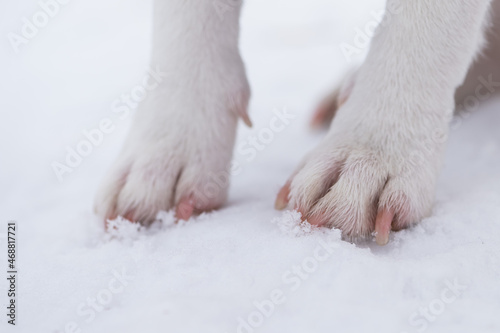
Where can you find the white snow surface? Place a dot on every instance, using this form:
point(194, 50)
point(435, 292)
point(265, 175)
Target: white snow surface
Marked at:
point(208, 274)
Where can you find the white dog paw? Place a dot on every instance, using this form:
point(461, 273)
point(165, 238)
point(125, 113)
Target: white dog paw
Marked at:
point(177, 154)
point(373, 173)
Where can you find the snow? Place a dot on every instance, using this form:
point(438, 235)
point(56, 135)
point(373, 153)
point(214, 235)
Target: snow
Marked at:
point(214, 273)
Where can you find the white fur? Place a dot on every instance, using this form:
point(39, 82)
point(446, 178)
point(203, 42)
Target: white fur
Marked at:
point(384, 147)
point(183, 134)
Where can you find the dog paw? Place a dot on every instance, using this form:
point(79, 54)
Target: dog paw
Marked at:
point(374, 172)
point(177, 154)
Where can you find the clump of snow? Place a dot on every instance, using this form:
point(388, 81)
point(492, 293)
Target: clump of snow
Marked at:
point(164, 220)
point(122, 229)
point(290, 223)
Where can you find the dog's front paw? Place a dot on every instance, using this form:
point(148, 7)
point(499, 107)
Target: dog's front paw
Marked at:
point(188, 174)
point(373, 173)
point(177, 154)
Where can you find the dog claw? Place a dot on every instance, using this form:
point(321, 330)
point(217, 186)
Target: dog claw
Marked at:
point(383, 226)
point(282, 198)
point(185, 209)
